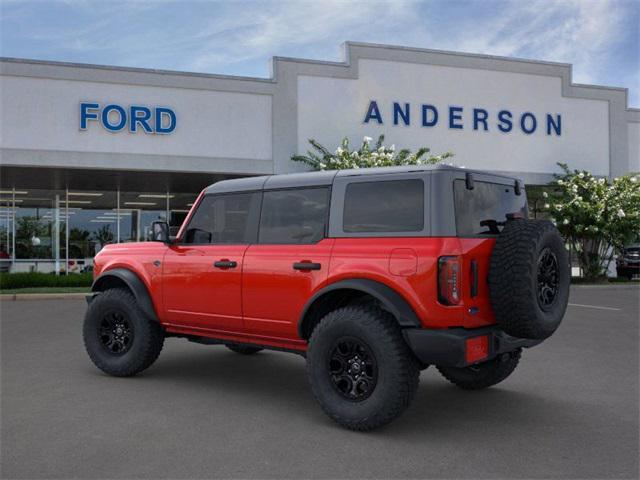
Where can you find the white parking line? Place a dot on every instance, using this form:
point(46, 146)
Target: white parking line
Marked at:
point(593, 306)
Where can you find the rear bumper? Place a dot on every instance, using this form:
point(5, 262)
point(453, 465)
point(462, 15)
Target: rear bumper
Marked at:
point(448, 348)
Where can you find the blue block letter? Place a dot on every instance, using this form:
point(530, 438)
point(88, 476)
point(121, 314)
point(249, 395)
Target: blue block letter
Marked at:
point(139, 115)
point(399, 112)
point(85, 114)
point(105, 118)
point(165, 112)
point(504, 118)
point(425, 116)
point(373, 112)
point(455, 113)
point(480, 115)
point(523, 123)
point(557, 125)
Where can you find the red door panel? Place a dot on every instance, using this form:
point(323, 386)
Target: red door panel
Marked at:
point(202, 286)
point(277, 282)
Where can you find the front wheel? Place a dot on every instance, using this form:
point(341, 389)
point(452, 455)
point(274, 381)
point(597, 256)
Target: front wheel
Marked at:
point(483, 375)
point(118, 337)
point(360, 368)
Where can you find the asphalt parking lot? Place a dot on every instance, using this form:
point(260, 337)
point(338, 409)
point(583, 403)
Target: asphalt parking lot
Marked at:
point(569, 411)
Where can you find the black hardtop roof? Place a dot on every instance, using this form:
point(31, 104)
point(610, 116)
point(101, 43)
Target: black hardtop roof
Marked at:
point(323, 178)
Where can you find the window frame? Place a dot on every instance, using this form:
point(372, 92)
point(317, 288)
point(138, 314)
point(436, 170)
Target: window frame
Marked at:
point(254, 212)
point(336, 219)
point(325, 231)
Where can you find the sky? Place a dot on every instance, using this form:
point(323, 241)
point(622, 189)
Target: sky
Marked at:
point(601, 38)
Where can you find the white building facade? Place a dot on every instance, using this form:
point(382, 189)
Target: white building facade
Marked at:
point(92, 154)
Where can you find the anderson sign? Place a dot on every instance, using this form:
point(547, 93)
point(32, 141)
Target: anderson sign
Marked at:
point(460, 118)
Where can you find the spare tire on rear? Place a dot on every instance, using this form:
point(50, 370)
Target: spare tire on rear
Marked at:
point(529, 278)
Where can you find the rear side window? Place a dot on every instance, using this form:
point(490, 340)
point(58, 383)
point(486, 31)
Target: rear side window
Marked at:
point(384, 206)
point(488, 203)
point(294, 216)
point(224, 219)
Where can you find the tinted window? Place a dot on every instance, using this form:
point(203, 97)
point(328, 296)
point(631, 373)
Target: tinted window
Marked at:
point(384, 206)
point(224, 219)
point(487, 201)
point(294, 216)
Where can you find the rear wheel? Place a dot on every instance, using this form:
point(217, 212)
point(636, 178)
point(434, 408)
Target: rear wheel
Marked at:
point(483, 375)
point(118, 337)
point(360, 368)
point(243, 349)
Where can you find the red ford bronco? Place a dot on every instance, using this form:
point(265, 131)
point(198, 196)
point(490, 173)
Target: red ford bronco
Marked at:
point(371, 274)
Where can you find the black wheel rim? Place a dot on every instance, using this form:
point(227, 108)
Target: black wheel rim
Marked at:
point(547, 278)
point(353, 369)
point(116, 332)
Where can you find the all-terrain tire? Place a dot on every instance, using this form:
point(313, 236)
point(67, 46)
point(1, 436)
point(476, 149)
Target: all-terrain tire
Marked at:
point(519, 280)
point(483, 375)
point(243, 349)
point(144, 343)
point(397, 372)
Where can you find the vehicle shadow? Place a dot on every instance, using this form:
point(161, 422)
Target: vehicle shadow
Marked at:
point(278, 380)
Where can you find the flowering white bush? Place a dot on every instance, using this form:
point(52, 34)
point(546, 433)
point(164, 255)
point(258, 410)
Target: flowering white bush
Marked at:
point(595, 216)
point(366, 156)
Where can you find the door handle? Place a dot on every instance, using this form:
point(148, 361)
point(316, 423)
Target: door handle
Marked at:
point(306, 266)
point(225, 264)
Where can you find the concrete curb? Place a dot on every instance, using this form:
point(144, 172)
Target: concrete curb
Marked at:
point(41, 296)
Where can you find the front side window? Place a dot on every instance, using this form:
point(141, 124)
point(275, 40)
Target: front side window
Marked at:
point(224, 219)
point(384, 206)
point(294, 216)
point(483, 210)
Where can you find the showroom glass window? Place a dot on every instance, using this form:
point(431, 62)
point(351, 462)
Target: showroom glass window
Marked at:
point(62, 230)
point(294, 216)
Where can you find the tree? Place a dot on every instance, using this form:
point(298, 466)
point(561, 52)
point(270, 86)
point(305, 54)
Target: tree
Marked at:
point(103, 235)
point(366, 156)
point(29, 228)
point(596, 217)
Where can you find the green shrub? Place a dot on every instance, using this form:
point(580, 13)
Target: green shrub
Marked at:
point(34, 279)
point(366, 156)
point(596, 216)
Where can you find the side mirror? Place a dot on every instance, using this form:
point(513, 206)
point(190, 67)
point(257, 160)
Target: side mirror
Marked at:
point(160, 232)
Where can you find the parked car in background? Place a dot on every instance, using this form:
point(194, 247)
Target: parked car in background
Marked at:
point(628, 263)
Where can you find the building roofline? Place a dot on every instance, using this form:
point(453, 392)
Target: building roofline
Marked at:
point(132, 69)
point(346, 62)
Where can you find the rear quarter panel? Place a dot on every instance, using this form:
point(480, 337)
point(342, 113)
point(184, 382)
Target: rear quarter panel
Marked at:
point(391, 261)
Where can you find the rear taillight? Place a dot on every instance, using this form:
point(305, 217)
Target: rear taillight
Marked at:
point(449, 280)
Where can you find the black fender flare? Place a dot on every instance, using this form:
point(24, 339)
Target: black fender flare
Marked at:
point(389, 298)
point(135, 284)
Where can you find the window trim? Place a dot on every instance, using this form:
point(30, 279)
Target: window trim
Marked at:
point(254, 233)
point(325, 232)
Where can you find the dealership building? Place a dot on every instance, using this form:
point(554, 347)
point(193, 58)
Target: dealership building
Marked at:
point(93, 154)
